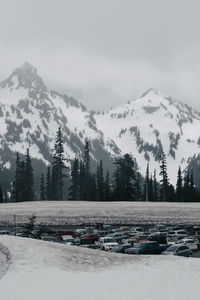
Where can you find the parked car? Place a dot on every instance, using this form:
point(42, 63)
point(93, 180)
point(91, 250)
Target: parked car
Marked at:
point(191, 243)
point(158, 237)
point(179, 250)
point(118, 237)
point(181, 233)
point(137, 230)
point(49, 238)
point(20, 231)
point(121, 248)
point(68, 240)
point(93, 236)
point(145, 248)
point(36, 232)
point(79, 232)
point(92, 246)
point(107, 243)
point(171, 240)
point(142, 238)
point(83, 241)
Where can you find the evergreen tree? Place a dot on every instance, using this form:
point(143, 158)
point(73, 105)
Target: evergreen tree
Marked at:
point(55, 194)
point(137, 187)
point(124, 177)
point(1, 195)
point(82, 193)
point(186, 188)
point(179, 186)
point(42, 188)
point(86, 165)
point(58, 167)
point(100, 182)
point(164, 179)
point(22, 183)
point(117, 194)
point(16, 183)
point(107, 191)
point(74, 188)
point(48, 184)
point(191, 187)
point(151, 196)
point(146, 185)
point(155, 187)
point(28, 178)
point(93, 189)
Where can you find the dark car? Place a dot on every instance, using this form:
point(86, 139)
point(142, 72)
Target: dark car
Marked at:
point(145, 248)
point(158, 237)
point(36, 232)
point(48, 238)
point(20, 231)
point(92, 236)
point(83, 241)
point(121, 248)
point(92, 246)
point(179, 250)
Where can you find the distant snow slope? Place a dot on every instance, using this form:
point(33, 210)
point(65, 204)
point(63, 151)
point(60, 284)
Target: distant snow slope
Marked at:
point(30, 114)
point(83, 212)
point(152, 124)
point(48, 271)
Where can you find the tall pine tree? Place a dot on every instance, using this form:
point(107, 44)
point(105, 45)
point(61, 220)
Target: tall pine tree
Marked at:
point(48, 184)
point(29, 179)
point(100, 182)
point(164, 183)
point(1, 195)
point(74, 188)
point(137, 187)
point(107, 191)
point(179, 186)
point(59, 167)
point(42, 188)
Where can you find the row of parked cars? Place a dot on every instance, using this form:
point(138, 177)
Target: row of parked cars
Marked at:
point(178, 240)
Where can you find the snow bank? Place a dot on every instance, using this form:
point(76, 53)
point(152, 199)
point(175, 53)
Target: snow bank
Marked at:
point(47, 271)
point(82, 212)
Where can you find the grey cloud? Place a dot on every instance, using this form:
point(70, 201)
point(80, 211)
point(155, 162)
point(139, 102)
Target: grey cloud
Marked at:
point(105, 52)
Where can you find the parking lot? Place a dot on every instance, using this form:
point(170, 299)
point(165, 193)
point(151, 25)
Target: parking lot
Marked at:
point(181, 240)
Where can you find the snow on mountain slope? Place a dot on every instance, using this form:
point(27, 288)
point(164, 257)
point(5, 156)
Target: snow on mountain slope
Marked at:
point(150, 125)
point(30, 115)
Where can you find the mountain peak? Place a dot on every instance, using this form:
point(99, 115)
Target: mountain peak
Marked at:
point(25, 76)
point(151, 92)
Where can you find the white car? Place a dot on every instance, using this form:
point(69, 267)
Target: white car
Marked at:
point(68, 240)
point(172, 240)
point(191, 243)
point(107, 243)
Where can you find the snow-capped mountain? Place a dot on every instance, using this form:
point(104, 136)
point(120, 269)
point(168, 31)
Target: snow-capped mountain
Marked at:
point(152, 124)
point(30, 115)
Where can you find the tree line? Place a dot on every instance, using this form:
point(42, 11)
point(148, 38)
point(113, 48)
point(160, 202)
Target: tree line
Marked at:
point(125, 184)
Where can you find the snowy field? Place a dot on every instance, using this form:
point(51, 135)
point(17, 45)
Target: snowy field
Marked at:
point(82, 212)
point(48, 271)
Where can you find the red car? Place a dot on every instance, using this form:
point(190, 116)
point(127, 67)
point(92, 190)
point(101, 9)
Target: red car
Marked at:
point(142, 238)
point(92, 236)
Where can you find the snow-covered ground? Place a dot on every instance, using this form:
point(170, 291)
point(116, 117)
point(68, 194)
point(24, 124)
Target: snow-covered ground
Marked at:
point(79, 212)
point(48, 271)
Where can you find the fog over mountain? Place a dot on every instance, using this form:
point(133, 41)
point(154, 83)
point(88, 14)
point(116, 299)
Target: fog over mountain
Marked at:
point(105, 52)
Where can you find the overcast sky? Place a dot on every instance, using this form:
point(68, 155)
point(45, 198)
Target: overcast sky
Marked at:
point(105, 52)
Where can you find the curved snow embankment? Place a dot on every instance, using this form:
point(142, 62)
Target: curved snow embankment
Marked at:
point(48, 271)
point(5, 260)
